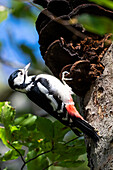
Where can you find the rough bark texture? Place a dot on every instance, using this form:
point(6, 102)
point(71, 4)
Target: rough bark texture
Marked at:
point(98, 105)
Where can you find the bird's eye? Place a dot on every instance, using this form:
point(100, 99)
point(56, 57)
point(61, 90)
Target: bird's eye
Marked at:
point(21, 73)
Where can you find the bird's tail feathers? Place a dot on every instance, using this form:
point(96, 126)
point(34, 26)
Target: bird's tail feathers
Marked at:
point(86, 128)
point(79, 122)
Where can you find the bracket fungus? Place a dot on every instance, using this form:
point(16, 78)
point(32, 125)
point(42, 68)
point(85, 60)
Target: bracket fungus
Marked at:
point(67, 46)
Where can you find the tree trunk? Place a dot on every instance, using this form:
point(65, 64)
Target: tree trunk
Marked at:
point(98, 106)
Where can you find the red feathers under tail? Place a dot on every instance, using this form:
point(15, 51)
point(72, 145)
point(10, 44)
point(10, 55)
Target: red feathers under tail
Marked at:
point(72, 111)
point(80, 123)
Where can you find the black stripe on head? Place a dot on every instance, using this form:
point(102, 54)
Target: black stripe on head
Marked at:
point(11, 79)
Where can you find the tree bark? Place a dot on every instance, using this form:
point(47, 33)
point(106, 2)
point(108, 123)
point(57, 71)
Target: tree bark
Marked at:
point(98, 106)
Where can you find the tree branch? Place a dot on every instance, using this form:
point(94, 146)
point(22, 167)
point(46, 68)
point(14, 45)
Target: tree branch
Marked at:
point(72, 140)
point(25, 162)
point(48, 166)
point(35, 158)
point(16, 151)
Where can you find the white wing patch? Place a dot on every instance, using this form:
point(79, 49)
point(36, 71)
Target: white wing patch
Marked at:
point(49, 96)
point(42, 88)
point(58, 88)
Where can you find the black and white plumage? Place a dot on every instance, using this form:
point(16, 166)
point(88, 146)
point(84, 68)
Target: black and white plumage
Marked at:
point(53, 96)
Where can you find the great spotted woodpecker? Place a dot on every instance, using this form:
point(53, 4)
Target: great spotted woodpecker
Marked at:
point(53, 96)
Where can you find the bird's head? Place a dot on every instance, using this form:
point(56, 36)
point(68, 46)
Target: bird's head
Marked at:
point(19, 79)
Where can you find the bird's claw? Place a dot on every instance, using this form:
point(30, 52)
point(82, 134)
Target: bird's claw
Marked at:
point(63, 76)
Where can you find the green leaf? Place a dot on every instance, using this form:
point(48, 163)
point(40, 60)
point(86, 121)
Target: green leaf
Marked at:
point(27, 120)
point(106, 3)
point(17, 144)
point(69, 164)
point(3, 136)
point(19, 120)
point(14, 128)
point(3, 15)
point(45, 145)
point(98, 25)
point(22, 10)
point(84, 165)
point(5, 139)
point(12, 154)
point(7, 114)
point(62, 151)
point(38, 163)
point(1, 105)
point(5, 168)
point(59, 131)
point(45, 126)
point(32, 145)
point(19, 132)
point(69, 152)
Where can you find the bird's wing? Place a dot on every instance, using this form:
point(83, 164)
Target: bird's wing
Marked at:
point(44, 87)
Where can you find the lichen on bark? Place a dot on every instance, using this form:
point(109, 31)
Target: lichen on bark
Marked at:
point(98, 106)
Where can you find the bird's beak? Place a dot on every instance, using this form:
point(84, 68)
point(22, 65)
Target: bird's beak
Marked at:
point(27, 67)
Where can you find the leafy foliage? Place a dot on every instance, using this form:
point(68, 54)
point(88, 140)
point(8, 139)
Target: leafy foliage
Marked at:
point(3, 15)
point(22, 10)
point(44, 139)
point(12, 154)
point(99, 25)
point(39, 163)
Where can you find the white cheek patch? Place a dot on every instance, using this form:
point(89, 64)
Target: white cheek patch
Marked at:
point(18, 80)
